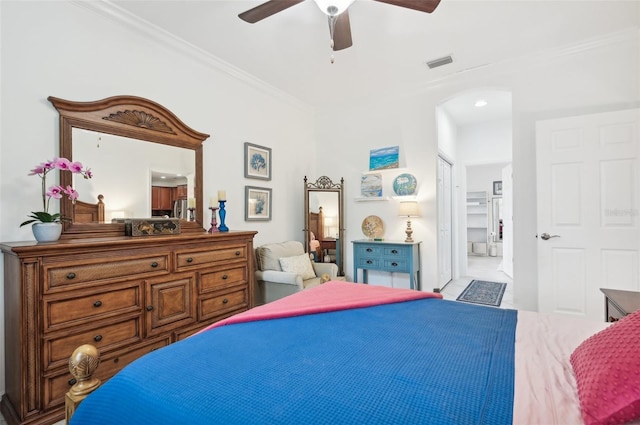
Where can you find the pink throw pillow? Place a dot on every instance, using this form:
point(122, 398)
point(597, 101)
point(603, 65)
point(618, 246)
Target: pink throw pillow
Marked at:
point(607, 370)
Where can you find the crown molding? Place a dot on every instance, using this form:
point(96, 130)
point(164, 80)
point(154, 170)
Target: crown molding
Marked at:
point(147, 29)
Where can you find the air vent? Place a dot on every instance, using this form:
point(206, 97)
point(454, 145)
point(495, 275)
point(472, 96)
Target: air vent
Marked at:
point(439, 62)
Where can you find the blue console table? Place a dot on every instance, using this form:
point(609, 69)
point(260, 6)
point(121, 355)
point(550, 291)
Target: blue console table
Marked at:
point(387, 256)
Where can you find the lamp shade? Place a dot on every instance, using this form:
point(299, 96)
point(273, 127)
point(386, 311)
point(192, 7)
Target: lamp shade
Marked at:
point(409, 209)
point(333, 7)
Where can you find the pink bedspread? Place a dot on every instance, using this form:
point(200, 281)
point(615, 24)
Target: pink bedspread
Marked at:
point(330, 296)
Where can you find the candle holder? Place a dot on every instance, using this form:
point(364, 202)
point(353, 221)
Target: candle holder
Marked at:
point(223, 213)
point(192, 214)
point(214, 225)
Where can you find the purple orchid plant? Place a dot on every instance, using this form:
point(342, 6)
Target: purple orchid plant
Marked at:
point(55, 191)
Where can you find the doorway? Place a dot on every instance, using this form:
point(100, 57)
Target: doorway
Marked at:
point(475, 130)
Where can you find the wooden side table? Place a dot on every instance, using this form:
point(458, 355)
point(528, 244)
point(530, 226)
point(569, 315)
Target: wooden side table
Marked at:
point(387, 256)
point(618, 303)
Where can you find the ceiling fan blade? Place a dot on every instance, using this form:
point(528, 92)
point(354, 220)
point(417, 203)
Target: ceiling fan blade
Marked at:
point(342, 32)
point(427, 6)
point(267, 9)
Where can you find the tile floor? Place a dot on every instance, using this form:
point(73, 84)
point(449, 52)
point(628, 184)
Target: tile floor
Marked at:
point(481, 268)
point(484, 268)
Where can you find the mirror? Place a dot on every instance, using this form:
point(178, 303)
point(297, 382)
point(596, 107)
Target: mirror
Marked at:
point(324, 218)
point(140, 137)
point(147, 165)
point(496, 212)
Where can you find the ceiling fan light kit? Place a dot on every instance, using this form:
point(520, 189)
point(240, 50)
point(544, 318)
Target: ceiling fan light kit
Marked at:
point(336, 10)
point(333, 7)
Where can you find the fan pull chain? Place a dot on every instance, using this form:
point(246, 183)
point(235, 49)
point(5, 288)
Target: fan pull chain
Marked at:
point(332, 27)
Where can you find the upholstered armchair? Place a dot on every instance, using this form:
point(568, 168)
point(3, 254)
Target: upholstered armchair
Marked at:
point(284, 268)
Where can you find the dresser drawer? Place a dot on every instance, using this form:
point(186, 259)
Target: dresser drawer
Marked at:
point(368, 250)
point(220, 279)
point(396, 251)
point(61, 312)
point(395, 265)
point(211, 307)
point(368, 262)
point(186, 260)
point(106, 338)
point(100, 270)
point(59, 383)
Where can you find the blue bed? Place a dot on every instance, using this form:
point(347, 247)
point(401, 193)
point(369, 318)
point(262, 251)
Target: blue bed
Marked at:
point(425, 361)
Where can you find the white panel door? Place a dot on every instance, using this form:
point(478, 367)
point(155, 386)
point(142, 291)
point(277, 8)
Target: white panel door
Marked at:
point(588, 205)
point(445, 245)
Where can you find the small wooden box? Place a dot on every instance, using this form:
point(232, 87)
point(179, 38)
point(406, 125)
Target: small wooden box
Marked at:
point(152, 226)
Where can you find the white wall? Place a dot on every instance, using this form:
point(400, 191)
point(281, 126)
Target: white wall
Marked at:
point(447, 135)
point(485, 142)
point(69, 51)
point(596, 76)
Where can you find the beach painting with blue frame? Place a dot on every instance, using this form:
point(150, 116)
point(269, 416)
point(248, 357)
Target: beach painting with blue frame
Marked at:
point(384, 158)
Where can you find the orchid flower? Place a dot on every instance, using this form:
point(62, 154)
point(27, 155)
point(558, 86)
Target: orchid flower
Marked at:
point(56, 192)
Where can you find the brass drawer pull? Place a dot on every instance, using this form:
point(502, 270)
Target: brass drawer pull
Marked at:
point(237, 253)
point(154, 264)
point(189, 260)
point(116, 360)
point(71, 381)
point(225, 277)
point(394, 264)
point(224, 301)
point(369, 250)
point(394, 251)
point(71, 275)
point(149, 308)
point(97, 303)
point(97, 338)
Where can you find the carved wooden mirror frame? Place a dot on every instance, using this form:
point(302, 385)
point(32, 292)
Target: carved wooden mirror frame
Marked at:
point(126, 116)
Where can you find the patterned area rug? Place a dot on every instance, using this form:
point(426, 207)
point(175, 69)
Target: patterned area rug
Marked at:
point(483, 292)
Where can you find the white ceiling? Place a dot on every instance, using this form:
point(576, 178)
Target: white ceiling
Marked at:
point(290, 50)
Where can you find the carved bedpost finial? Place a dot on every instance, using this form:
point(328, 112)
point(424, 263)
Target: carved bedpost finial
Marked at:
point(82, 364)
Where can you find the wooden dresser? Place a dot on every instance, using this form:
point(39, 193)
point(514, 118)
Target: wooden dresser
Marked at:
point(127, 296)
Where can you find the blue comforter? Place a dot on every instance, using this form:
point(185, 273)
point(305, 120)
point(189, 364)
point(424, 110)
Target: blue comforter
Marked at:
point(426, 361)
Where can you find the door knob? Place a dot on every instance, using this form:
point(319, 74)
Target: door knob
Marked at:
point(546, 236)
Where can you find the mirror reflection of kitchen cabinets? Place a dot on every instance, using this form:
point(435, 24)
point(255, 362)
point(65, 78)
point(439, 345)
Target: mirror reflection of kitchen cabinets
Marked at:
point(161, 198)
point(181, 191)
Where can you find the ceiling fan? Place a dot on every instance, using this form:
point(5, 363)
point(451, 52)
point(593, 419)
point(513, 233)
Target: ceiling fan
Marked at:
point(337, 12)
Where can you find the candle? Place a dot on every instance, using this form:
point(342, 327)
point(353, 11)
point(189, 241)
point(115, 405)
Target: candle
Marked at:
point(222, 195)
point(213, 202)
point(191, 203)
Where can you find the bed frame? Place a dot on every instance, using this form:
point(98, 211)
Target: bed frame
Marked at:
point(84, 212)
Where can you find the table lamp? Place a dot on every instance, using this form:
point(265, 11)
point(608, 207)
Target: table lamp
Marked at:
point(409, 209)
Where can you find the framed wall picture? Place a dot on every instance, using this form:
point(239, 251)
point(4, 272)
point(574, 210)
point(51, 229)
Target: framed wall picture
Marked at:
point(257, 203)
point(384, 158)
point(257, 162)
point(497, 188)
